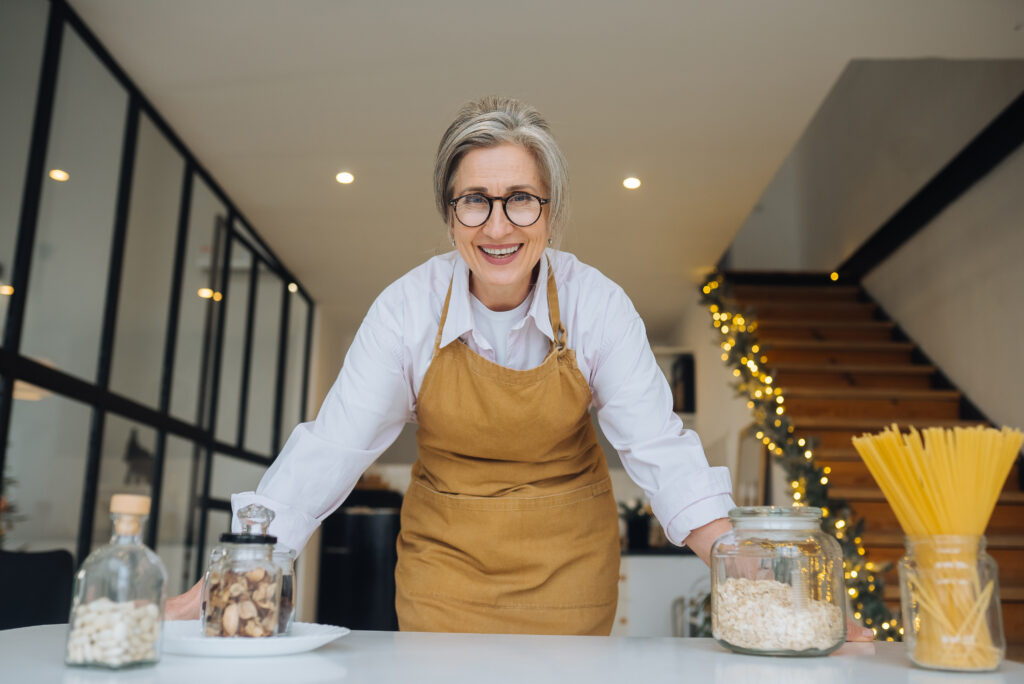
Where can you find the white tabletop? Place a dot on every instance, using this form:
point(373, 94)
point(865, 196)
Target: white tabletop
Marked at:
point(35, 655)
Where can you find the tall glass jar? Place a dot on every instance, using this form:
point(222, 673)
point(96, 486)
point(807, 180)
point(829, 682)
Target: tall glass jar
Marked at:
point(777, 584)
point(949, 588)
point(242, 586)
point(285, 559)
point(118, 601)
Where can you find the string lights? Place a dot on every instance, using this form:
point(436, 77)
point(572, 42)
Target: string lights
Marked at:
point(809, 483)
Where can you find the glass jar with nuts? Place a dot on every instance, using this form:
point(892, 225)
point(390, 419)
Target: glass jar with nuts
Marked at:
point(242, 587)
point(118, 605)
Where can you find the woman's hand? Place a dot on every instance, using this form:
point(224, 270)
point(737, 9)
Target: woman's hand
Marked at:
point(185, 606)
point(854, 632)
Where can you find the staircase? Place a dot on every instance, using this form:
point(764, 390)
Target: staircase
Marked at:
point(845, 369)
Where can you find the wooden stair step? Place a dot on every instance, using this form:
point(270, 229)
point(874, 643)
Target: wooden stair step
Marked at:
point(897, 376)
point(832, 423)
point(825, 393)
point(855, 494)
point(802, 310)
point(896, 538)
point(836, 432)
point(1007, 518)
point(846, 469)
point(825, 330)
point(800, 292)
point(912, 404)
point(843, 352)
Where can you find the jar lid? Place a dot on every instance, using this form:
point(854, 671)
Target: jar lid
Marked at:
point(132, 504)
point(255, 520)
point(775, 517)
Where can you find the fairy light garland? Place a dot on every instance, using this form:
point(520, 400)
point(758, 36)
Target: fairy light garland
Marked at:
point(809, 483)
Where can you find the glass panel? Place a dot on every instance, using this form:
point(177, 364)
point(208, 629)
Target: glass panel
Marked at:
point(291, 415)
point(22, 34)
point(148, 267)
point(126, 467)
point(237, 302)
point(182, 473)
point(195, 315)
point(49, 434)
point(67, 283)
point(263, 369)
point(232, 475)
point(250, 239)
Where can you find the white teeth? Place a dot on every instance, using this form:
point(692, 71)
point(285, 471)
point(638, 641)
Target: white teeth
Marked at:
point(504, 251)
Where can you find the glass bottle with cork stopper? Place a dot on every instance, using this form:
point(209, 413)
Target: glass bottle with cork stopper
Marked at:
point(118, 600)
point(242, 586)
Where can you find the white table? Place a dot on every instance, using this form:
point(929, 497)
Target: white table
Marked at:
point(34, 655)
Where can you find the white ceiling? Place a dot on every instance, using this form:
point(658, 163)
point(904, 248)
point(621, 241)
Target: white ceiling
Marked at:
point(701, 100)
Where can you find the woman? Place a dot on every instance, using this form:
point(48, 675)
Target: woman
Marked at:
point(497, 350)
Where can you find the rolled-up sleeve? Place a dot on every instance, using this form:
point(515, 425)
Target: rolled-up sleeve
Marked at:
point(634, 408)
point(362, 415)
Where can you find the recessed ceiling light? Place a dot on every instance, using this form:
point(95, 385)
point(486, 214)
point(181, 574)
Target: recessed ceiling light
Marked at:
point(293, 288)
point(205, 293)
point(344, 178)
point(59, 175)
point(631, 183)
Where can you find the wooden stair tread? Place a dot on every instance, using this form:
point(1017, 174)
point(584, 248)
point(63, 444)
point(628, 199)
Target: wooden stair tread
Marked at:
point(800, 303)
point(869, 393)
point(874, 494)
point(898, 539)
point(804, 423)
point(831, 290)
point(836, 454)
point(797, 323)
point(869, 345)
point(894, 368)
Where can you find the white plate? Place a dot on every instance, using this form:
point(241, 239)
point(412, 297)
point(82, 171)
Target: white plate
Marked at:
point(185, 637)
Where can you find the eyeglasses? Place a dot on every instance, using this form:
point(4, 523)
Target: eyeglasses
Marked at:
point(521, 208)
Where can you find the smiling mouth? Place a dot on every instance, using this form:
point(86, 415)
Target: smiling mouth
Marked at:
point(499, 252)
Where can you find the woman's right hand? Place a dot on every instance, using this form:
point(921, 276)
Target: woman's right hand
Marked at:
point(185, 606)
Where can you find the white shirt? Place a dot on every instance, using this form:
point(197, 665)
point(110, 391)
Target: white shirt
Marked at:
point(493, 328)
point(375, 395)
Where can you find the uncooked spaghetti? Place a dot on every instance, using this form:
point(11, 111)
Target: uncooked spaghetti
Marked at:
point(943, 486)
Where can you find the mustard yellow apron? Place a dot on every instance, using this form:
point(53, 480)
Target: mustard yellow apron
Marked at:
point(509, 525)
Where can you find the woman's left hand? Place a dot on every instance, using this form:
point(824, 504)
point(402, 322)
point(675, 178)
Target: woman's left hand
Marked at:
point(855, 632)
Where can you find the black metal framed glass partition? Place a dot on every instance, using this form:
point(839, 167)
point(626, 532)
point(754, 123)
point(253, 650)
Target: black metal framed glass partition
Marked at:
point(152, 342)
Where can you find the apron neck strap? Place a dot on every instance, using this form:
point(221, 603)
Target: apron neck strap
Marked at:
point(444, 316)
point(553, 313)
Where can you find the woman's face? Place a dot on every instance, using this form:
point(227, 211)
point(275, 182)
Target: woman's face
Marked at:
point(500, 254)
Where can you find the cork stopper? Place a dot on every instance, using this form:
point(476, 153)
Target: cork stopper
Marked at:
point(132, 504)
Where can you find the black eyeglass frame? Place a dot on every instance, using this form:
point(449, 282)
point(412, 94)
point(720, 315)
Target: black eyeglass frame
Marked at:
point(504, 207)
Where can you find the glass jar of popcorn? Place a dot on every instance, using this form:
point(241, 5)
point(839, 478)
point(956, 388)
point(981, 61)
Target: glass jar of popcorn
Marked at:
point(777, 584)
point(242, 586)
point(118, 600)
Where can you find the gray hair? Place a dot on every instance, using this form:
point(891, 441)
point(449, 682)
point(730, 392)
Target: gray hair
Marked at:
point(492, 121)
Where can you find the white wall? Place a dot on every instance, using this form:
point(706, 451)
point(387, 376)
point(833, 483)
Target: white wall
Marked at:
point(721, 414)
point(957, 288)
point(883, 131)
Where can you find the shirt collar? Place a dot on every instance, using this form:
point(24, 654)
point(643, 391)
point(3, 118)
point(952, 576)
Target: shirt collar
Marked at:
point(460, 310)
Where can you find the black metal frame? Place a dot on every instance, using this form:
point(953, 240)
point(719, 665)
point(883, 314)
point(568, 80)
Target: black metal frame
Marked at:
point(14, 366)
